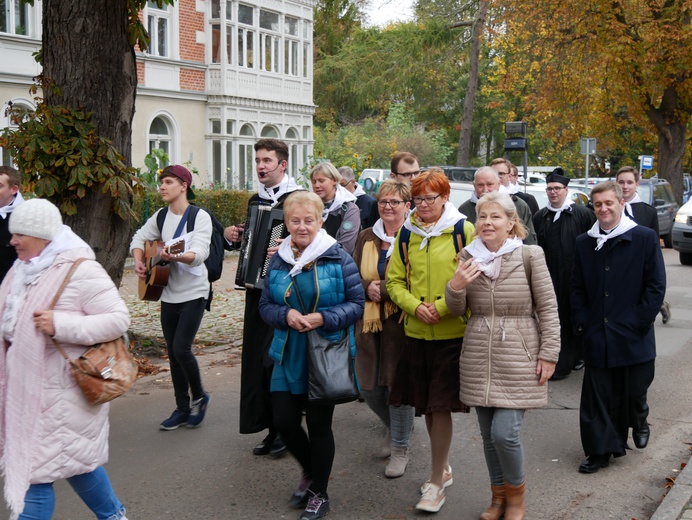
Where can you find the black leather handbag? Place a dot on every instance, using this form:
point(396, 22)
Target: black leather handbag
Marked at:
point(332, 375)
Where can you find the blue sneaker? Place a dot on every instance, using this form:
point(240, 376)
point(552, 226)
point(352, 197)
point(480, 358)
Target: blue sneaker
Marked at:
point(197, 410)
point(318, 507)
point(176, 420)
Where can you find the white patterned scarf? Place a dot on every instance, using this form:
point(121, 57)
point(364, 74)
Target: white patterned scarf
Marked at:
point(6, 210)
point(341, 196)
point(287, 185)
point(450, 216)
point(315, 249)
point(558, 211)
point(380, 233)
point(623, 226)
point(489, 263)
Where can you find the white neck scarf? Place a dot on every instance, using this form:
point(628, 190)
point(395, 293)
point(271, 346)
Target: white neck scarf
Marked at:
point(512, 188)
point(287, 185)
point(628, 205)
point(317, 247)
point(489, 263)
point(380, 233)
point(558, 211)
point(359, 191)
point(450, 216)
point(342, 196)
point(504, 189)
point(474, 197)
point(623, 227)
point(6, 210)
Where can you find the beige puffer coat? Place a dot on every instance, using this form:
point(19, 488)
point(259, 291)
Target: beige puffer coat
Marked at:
point(503, 341)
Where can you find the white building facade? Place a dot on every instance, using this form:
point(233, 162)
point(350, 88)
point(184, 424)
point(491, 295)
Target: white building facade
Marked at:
point(218, 76)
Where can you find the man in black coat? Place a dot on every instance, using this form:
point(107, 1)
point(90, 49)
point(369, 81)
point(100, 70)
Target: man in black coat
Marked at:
point(271, 161)
point(639, 211)
point(557, 227)
point(366, 203)
point(618, 284)
point(10, 198)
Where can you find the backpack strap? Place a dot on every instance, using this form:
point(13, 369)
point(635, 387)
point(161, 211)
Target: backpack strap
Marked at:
point(161, 218)
point(404, 238)
point(191, 218)
point(459, 235)
point(526, 257)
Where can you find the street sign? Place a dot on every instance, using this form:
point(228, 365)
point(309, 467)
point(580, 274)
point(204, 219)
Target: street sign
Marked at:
point(647, 162)
point(588, 145)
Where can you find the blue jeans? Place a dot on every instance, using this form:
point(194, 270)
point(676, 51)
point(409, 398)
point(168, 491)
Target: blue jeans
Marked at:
point(93, 488)
point(504, 455)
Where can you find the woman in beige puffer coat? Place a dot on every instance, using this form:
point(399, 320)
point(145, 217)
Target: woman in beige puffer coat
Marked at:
point(507, 357)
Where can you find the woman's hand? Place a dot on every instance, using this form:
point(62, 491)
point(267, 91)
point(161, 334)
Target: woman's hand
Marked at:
point(373, 291)
point(544, 371)
point(304, 323)
point(466, 273)
point(427, 313)
point(272, 250)
point(44, 322)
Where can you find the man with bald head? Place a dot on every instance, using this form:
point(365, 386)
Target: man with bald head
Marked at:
point(486, 180)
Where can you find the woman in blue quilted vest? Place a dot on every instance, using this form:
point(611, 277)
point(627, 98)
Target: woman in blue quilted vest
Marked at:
point(331, 292)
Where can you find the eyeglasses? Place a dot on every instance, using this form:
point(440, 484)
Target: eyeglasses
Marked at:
point(408, 175)
point(392, 203)
point(549, 190)
point(428, 200)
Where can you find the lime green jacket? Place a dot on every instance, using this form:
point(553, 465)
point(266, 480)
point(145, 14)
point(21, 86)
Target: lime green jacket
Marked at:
point(430, 270)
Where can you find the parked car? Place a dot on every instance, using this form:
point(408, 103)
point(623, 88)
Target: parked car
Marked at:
point(682, 233)
point(687, 187)
point(659, 194)
point(371, 178)
point(458, 173)
point(460, 192)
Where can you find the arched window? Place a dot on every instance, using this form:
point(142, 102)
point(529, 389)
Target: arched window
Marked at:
point(162, 136)
point(270, 131)
point(247, 130)
point(291, 134)
point(5, 155)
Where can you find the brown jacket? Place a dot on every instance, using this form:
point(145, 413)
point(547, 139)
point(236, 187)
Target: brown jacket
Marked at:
point(503, 341)
point(377, 353)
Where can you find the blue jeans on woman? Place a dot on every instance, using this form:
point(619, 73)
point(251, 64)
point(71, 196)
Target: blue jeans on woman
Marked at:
point(93, 488)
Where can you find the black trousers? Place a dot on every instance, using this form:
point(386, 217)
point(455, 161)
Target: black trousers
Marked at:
point(180, 322)
point(315, 453)
point(612, 401)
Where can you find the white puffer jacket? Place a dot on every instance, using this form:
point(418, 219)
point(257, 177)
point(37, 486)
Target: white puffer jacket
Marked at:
point(503, 341)
point(71, 436)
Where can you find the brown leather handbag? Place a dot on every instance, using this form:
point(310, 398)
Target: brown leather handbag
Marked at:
point(105, 371)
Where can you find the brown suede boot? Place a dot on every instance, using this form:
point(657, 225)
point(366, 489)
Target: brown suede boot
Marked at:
point(516, 506)
point(498, 504)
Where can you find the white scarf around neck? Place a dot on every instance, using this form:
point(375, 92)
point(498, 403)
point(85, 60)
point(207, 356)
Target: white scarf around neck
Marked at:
point(359, 191)
point(489, 263)
point(558, 211)
point(512, 188)
point(317, 247)
point(6, 210)
point(287, 185)
point(450, 216)
point(474, 197)
point(628, 205)
point(341, 196)
point(623, 226)
point(380, 233)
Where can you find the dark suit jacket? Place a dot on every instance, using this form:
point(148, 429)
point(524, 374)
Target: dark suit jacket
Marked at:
point(617, 292)
point(645, 215)
point(368, 210)
point(530, 201)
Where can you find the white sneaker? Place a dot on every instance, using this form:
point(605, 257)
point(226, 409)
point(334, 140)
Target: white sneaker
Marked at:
point(432, 500)
point(447, 480)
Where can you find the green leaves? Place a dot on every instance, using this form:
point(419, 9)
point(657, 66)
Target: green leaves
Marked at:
point(60, 156)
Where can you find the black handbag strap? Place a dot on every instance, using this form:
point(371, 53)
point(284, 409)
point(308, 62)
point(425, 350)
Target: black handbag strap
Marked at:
point(300, 299)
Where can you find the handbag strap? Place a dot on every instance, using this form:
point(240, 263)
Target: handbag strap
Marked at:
point(73, 268)
point(300, 300)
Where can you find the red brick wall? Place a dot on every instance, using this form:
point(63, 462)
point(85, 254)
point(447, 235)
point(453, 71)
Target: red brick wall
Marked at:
point(191, 79)
point(140, 72)
point(190, 22)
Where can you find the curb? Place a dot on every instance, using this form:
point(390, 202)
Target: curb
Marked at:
point(674, 505)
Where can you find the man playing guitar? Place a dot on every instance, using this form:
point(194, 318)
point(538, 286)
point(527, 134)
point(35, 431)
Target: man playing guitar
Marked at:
point(184, 298)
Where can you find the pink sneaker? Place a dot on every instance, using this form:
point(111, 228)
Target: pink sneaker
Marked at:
point(447, 480)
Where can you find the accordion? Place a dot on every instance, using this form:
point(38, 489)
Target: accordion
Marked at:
point(264, 226)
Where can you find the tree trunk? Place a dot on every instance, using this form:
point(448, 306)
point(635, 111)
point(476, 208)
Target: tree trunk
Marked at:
point(86, 54)
point(672, 129)
point(472, 86)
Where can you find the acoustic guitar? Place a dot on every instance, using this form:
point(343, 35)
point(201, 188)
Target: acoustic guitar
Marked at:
point(158, 270)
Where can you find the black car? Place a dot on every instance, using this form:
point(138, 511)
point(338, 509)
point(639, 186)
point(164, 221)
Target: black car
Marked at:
point(458, 173)
point(659, 194)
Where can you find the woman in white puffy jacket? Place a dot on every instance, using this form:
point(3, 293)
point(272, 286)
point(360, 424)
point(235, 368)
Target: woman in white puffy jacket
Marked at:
point(48, 430)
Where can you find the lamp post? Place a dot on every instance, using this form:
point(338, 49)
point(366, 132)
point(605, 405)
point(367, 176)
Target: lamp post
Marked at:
point(517, 143)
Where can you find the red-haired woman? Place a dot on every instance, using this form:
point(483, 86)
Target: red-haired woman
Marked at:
point(428, 376)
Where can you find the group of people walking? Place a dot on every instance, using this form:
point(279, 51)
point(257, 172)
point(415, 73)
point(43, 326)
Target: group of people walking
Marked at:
point(445, 309)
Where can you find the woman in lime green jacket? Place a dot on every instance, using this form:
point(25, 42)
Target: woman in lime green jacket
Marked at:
point(424, 260)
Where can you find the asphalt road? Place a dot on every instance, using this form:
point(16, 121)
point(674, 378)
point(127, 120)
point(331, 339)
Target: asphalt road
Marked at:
point(210, 472)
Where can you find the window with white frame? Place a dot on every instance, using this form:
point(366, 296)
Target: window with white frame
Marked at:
point(291, 46)
point(292, 135)
point(159, 27)
point(269, 41)
point(221, 31)
point(246, 37)
point(161, 136)
point(14, 17)
point(5, 122)
point(246, 159)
